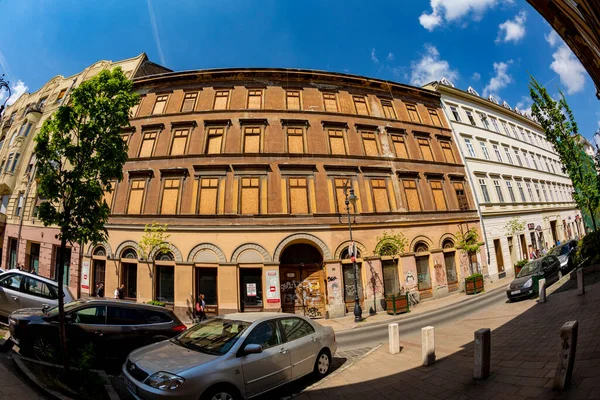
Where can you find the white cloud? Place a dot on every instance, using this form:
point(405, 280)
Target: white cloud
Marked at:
point(512, 30)
point(525, 104)
point(476, 76)
point(373, 56)
point(390, 56)
point(431, 68)
point(453, 10)
point(500, 80)
point(155, 32)
point(17, 90)
point(566, 65)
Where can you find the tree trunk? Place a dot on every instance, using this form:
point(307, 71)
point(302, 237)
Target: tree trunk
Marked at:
point(593, 218)
point(61, 304)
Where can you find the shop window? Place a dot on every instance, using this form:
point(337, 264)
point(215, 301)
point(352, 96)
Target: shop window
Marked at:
point(99, 276)
point(206, 284)
point(170, 196)
point(391, 284)
point(450, 264)
point(255, 99)
point(209, 193)
point(147, 147)
point(337, 142)
point(360, 103)
point(136, 196)
point(221, 100)
point(252, 139)
point(189, 102)
point(380, 195)
point(425, 149)
point(412, 195)
point(438, 195)
point(295, 140)
point(159, 105)
point(12, 253)
point(34, 257)
point(292, 98)
point(349, 282)
point(129, 279)
point(251, 288)
point(413, 114)
point(435, 118)
point(298, 194)
point(180, 139)
point(459, 189)
point(214, 140)
point(165, 283)
point(399, 146)
point(423, 276)
point(66, 265)
point(250, 196)
point(447, 149)
point(388, 109)
point(330, 101)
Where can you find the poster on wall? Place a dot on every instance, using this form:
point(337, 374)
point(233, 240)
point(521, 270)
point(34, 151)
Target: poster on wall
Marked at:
point(251, 289)
point(85, 275)
point(273, 294)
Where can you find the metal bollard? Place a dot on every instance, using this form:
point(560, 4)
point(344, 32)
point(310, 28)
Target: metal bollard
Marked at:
point(566, 359)
point(580, 282)
point(428, 346)
point(542, 290)
point(394, 338)
point(482, 356)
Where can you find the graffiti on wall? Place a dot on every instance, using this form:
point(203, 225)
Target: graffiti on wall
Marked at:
point(306, 296)
point(410, 280)
point(440, 274)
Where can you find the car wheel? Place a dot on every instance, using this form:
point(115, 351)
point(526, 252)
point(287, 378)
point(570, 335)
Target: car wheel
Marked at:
point(43, 349)
point(221, 392)
point(323, 364)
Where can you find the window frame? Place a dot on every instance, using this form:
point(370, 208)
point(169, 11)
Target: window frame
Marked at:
point(185, 97)
point(455, 113)
point(361, 100)
point(375, 139)
point(416, 111)
point(470, 148)
point(250, 94)
point(241, 191)
point(208, 135)
point(343, 136)
point(401, 136)
point(289, 193)
point(414, 180)
point(260, 134)
point(387, 104)
point(144, 133)
point(303, 135)
point(335, 99)
point(227, 101)
point(180, 188)
point(372, 179)
point(441, 189)
point(129, 191)
point(157, 100)
point(447, 145)
point(427, 140)
point(484, 190)
point(187, 139)
point(433, 113)
point(287, 97)
point(499, 192)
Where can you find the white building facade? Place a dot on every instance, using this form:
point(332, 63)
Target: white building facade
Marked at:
point(515, 172)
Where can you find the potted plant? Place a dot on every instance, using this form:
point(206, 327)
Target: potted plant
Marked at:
point(474, 284)
point(397, 304)
point(519, 266)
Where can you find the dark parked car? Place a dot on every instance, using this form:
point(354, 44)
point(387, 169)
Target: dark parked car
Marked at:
point(526, 284)
point(566, 255)
point(115, 327)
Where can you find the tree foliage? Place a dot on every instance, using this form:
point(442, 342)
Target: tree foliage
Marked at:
point(468, 242)
point(390, 244)
point(560, 127)
point(514, 226)
point(154, 242)
point(79, 151)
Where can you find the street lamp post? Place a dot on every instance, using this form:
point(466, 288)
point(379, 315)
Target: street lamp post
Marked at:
point(351, 199)
point(4, 85)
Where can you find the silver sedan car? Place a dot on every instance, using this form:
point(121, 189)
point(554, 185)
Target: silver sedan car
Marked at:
point(238, 356)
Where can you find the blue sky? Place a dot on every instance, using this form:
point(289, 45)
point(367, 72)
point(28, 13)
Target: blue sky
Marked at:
point(491, 45)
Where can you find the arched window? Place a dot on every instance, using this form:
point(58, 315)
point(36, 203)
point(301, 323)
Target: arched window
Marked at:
point(168, 256)
point(100, 251)
point(344, 254)
point(421, 247)
point(448, 244)
point(130, 253)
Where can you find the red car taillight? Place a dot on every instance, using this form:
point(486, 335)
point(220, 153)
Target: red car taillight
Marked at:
point(179, 328)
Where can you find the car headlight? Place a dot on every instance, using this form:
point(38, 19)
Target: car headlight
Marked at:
point(528, 283)
point(164, 380)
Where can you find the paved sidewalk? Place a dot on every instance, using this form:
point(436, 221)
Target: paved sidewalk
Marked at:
point(429, 305)
point(525, 345)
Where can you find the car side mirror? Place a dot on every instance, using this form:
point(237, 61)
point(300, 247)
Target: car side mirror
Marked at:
point(252, 349)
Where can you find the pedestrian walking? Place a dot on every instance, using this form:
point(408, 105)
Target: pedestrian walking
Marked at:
point(100, 290)
point(200, 308)
point(120, 292)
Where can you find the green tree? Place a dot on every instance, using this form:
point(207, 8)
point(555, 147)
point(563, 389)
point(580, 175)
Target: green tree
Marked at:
point(468, 242)
point(514, 226)
point(561, 130)
point(390, 244)
point(79, 151)
point(154, 241)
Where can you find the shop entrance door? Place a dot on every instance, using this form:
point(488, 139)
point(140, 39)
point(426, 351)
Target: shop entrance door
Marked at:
point(251, 289)
point(499, 257)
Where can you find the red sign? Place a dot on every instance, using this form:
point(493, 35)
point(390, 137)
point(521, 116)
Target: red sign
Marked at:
point(272, 300)
point(85, 287)
point(353, 259)
point(272, 288)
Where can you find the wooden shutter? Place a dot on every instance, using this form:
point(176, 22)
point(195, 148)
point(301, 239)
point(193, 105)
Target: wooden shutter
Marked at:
point(298, 196)
point(250, 198)
point(209, 190)
point(189, 102)
point(136, 197)
point(159, 105)
point(179, 145)
point(412, 195)
point(399, 146)
point(413, 114)
point(147, 144)
point(438, 196)
point(293, 99)
point(447, 148)
point(339, 195)
point(254, 99)
point(435, 118)
point(380, 195)
point(215, 139)
point(425, 149)
point(170, 196)
point(252, 140)
point(361, 105)
point(295, 138)
point(330, 102)
point(221, 99)
point(336, 141)
point(370, 143)
point(388, 109)
point(463, 203)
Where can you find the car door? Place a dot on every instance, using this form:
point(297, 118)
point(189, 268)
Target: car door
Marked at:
point(268, 369)
point(551, 267)
point(302, 343)
point(87, 325)
point(124, 330)
point(37, 294)
point(10, 293)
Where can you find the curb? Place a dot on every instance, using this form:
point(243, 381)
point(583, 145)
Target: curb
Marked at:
point(18, 359)
point(419, 315)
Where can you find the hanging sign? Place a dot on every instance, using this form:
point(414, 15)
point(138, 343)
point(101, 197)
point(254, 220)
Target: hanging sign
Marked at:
point(273, 292)
point(251, 289)
point(85, 275)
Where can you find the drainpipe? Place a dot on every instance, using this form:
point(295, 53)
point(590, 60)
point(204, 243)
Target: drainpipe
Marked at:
point(473, 187)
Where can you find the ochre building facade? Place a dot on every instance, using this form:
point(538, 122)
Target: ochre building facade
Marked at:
point(247, 167)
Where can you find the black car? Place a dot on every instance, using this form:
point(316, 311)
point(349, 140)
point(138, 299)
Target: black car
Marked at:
point(566, 255)
point(114, 327)
point(526, 284)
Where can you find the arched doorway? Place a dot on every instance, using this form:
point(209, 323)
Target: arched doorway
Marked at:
point(302, 280)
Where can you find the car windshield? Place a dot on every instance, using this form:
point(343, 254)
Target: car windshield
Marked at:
point(213, 337)
point(53, 312)
point(561, 251)
point(530, 268)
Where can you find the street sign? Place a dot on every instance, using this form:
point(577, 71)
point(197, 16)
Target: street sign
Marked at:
point(85, 279)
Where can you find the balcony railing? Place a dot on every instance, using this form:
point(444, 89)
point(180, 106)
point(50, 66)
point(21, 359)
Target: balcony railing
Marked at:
point(37, 107)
